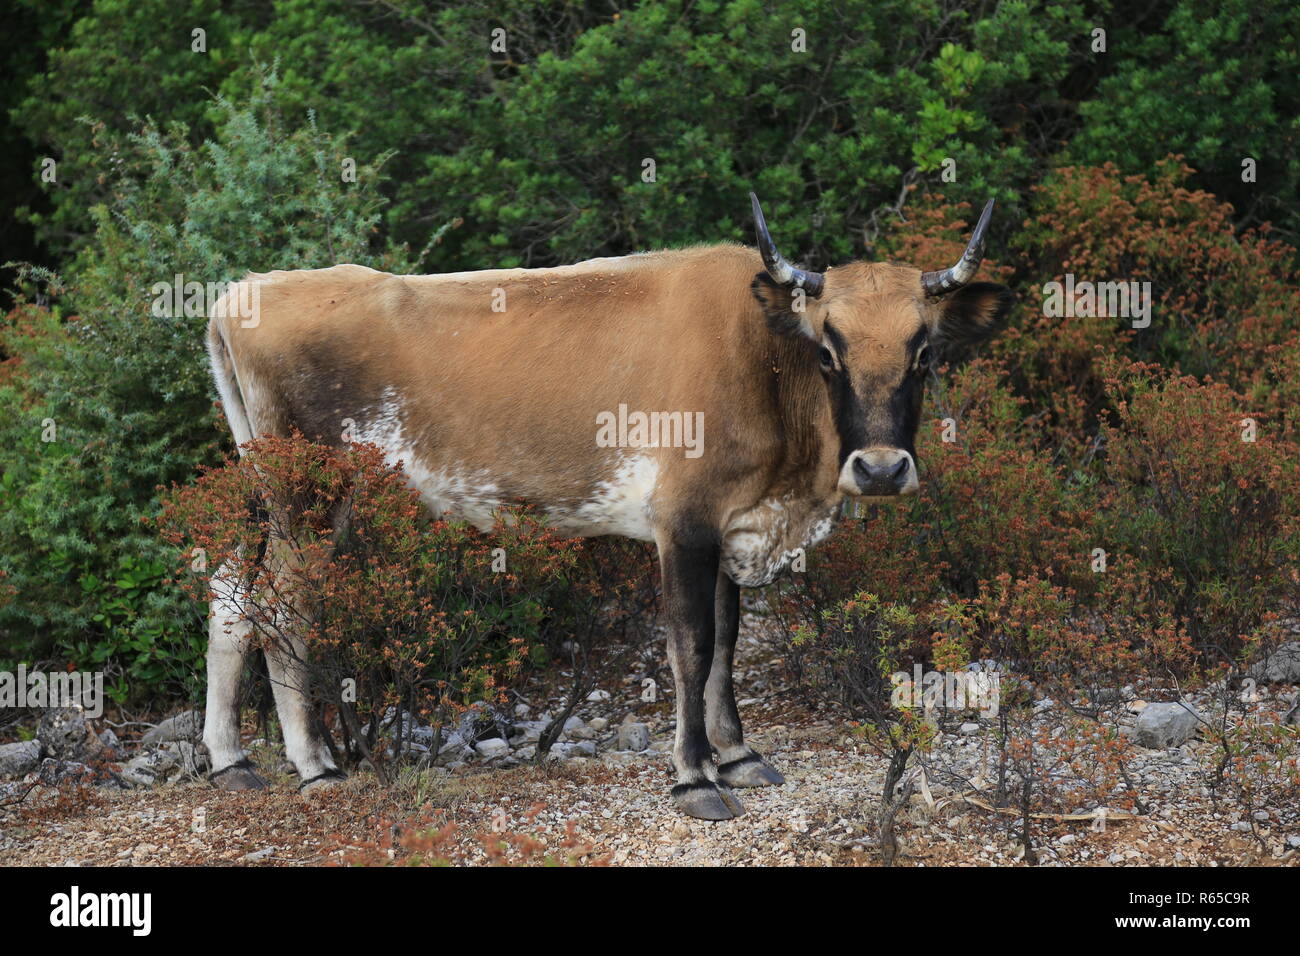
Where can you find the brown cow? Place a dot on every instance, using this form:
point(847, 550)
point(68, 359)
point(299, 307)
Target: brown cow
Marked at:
point(713, 400)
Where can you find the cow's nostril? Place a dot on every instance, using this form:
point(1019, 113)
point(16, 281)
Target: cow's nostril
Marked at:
point(886, 479)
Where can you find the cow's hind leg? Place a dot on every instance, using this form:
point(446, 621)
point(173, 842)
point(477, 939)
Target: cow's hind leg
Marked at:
point(738, 764)
point(286, 663)
point(303, 744)
point(228, 645)
point(688, 577)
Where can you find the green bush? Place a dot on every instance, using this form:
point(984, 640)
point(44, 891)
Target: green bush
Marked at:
point(1213, 80)
point(540, 147)
point(127, 392)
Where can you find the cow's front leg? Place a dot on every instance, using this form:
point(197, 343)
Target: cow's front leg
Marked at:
point(688, 578)
point(738, 764)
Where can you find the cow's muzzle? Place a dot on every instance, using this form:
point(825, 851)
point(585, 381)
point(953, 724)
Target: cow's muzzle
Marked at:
point(879, 473)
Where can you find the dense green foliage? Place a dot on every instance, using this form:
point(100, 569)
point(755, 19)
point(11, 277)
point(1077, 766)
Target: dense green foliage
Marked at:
point(1217, 83)
point(113, 401)
point(540, 145)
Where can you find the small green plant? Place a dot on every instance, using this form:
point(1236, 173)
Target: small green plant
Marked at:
point(850, 657)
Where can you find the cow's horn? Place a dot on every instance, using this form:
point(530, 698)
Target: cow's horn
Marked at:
point(941, 283)
point(781, 271)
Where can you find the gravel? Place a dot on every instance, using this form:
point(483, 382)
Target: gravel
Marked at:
point(609, 779)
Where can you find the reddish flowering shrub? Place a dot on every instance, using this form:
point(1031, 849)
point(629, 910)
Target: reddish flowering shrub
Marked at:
point(1206, 505)
point(1067, 765)
point(398, 611)
point(1279, 397)
point(1175, 561)
point(1057, 763)
point(934, 234)
point(994, 501)
point(1258, 762)
point(1222, 300)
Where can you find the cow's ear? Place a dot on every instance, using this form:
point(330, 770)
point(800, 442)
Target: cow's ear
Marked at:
point(970, 315)
point(786, 309)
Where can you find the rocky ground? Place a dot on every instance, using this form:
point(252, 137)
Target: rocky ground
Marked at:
point(603, 797)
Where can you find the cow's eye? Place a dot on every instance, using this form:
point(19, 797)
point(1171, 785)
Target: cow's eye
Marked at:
point(922, 359)
point(827, 359)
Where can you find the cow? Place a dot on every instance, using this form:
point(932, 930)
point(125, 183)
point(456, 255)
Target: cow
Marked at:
point(490, 388)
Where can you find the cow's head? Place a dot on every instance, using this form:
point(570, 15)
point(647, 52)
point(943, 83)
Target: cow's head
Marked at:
point(873, 330)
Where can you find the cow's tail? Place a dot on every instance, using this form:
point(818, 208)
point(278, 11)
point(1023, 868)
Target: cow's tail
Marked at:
point(232, 403)
point(223, 369)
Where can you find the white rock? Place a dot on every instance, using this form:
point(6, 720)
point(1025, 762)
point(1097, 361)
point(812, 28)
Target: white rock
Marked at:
point(1165, 725)
point(1280, 667)
point(559, 751)
point(150, 768)
point(633, 736)
point(17, 759)
point(492, 747)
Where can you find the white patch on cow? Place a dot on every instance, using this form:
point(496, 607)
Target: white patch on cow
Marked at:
point(468, 495)
point(384, 427)
point(622, 505)
point(760, 543)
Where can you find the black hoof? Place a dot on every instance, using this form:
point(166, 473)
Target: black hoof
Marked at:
point(238, 776)
point(706, 801)
point(751, 771)
point(322, 781)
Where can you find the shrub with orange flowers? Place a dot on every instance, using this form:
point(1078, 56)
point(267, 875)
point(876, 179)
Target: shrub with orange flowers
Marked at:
point(1223, 299)
point(1206, 505)
point(400, 612)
